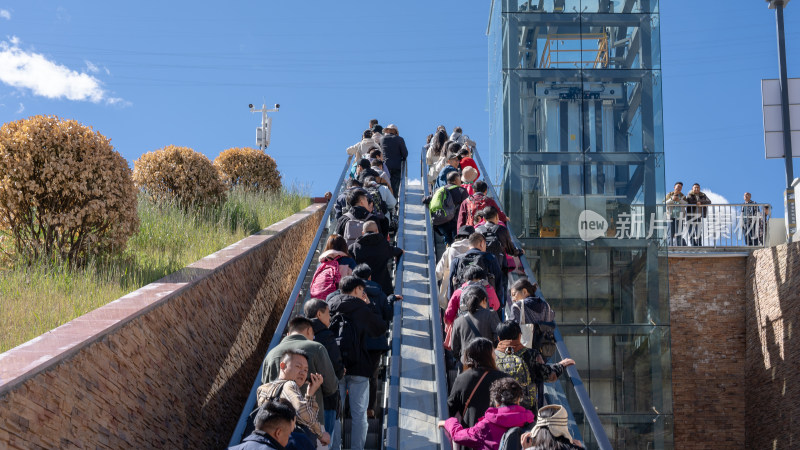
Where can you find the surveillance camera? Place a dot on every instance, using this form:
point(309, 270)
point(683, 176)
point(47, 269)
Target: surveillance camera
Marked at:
point(250, 106)
point(277, 105)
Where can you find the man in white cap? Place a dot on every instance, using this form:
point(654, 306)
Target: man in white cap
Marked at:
point(395, 153)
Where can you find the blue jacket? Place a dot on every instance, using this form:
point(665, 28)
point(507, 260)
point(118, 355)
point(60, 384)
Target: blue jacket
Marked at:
point(441, 180)
point(258, 440)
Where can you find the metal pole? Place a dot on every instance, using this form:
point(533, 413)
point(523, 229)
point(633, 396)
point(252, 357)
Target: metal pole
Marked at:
point(791, 216)
point(263, 127)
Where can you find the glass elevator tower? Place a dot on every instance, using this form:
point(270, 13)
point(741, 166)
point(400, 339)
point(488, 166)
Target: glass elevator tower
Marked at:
point(577, 140)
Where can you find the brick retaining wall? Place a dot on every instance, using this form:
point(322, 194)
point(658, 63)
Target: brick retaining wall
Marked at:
point(707, 318)
point(167, 366)
point(773, 348)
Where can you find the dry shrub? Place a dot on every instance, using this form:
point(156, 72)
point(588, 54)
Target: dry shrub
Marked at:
point(64, 192)
point(178, 174)
point(248, 168)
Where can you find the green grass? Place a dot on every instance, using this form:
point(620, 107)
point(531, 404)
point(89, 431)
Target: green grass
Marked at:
point(38, 297)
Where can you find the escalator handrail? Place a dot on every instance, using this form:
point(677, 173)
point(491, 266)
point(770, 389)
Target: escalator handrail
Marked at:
point(445, 441)
point(580, 389)
point(393, 405)
point(249, 405)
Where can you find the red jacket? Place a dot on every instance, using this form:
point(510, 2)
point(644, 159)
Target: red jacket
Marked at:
point(455, 302)
point(469, 162)
point(470, 206)
point(488, 432)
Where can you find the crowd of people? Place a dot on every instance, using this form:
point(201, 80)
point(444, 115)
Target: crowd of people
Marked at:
point(498, 333)
point(687, 214)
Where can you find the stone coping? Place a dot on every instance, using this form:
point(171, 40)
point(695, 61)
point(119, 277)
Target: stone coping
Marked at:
point(49, 349)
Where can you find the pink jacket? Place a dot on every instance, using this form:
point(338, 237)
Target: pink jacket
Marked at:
point(488, 432)
point(455, 301)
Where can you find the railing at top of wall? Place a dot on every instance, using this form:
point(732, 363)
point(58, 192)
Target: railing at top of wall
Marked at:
point(291, 304)
point(598, 432)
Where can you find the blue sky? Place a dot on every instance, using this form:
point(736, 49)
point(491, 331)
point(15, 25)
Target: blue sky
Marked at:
point(148, 74)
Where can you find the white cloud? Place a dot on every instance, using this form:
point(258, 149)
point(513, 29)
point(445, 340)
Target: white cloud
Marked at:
point(21, 109)
point(28, 70)
point(716, 199)
point(91, 67)
point(5, 14)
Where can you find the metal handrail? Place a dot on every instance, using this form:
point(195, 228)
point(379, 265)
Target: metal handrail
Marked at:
point(580, 390)
point(445, 440)
point(392, 412)
point(249, 405)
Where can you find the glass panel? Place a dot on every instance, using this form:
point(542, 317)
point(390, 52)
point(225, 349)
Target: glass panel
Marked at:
point(634, 432)
point(596, 41)
point(541, 6)
point(629, 368)
point(619, 6)
point(560, 268)
point(626, 286)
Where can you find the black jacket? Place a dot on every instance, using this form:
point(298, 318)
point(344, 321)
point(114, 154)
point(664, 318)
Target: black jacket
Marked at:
point(394, 151)
point(462, 388)
point(325, 337)
point(368, 324)
point(493, 269)
point(361, 213)
point(341, 202)
point(374, 250)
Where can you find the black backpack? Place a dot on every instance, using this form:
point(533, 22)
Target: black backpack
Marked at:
point(493, 244)
point(544, 325)
point(347, 339)
point(472, 259)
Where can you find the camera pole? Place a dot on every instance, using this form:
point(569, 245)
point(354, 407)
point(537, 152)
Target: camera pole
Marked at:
point(263, 133)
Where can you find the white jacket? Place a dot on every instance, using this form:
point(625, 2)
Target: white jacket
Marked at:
point(456, 249)
point(361, 149)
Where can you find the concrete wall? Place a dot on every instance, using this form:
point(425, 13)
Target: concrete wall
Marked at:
point(708, 328)
point(773, 348)
point(167, 366)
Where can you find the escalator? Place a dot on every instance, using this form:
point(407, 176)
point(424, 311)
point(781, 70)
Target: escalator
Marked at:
point(412, 388)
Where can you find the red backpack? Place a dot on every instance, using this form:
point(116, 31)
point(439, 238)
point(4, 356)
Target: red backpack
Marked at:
point(326, 279)
point(475, 203)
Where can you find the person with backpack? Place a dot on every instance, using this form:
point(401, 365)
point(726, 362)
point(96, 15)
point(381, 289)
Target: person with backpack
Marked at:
point(301, 337)
point(459, 246)
point(351, 224)
point(444, 205)
point(499, 244)
point(319, 313)
point(373, 249)
point(383, 201)
point(476, 202)
point(293, 373)
point(475, 256)
point(450, 167)
point(475, 276)
point(506, 413)
point(364, 169)
point(341, 206)
point(479, 321)
point(334, 263)
point(522, 364)
point(352, 322)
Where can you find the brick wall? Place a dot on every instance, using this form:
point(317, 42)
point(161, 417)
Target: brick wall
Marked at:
point(707, 318)
point(773, 350)
point(167, 366)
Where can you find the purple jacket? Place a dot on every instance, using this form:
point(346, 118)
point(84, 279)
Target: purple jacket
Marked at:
point(488, 432)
